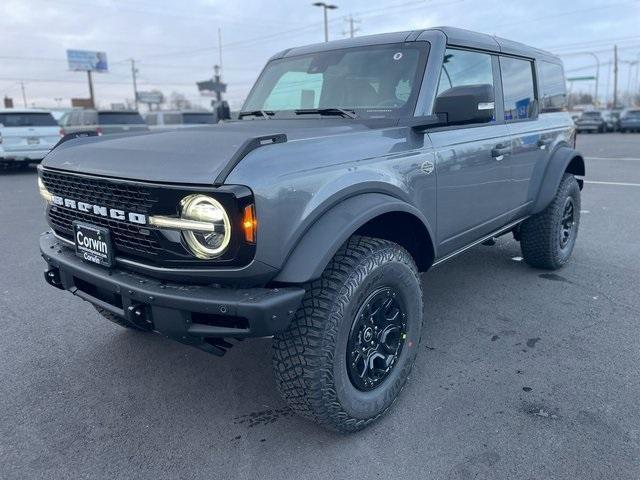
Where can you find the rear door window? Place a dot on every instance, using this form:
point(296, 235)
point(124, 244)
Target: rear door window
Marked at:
point(518, 89)
point(89, 118)
point(27, 119)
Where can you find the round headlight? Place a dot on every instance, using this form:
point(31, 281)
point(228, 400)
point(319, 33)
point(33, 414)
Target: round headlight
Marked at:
point(206, 245)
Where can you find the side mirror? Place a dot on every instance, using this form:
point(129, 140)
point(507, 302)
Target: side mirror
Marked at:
point(467, 104)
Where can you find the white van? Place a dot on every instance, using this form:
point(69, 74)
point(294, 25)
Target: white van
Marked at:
point(26, 135)
point(169, 119)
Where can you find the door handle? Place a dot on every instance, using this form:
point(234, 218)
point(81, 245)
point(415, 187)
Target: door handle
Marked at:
point(499, 151)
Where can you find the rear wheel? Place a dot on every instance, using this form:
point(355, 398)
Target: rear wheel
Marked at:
point(547, 238)
point(347, 354)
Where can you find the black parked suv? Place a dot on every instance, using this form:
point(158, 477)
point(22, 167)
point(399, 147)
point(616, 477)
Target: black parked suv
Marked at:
point(353, 167)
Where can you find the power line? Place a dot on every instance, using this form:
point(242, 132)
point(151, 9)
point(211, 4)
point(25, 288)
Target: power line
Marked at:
point(352, 26)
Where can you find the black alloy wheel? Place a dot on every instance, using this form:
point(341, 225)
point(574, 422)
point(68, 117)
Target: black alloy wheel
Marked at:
point(567, 222)
point(376, 339)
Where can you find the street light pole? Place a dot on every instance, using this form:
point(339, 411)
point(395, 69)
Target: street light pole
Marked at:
point(134, 71)
point(325, 7)
point(24, 95)
point(595, 93)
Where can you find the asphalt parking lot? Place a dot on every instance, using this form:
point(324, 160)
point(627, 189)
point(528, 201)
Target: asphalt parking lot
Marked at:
point(522, 374)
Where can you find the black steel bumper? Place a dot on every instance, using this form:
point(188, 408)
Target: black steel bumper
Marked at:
point(197, 315)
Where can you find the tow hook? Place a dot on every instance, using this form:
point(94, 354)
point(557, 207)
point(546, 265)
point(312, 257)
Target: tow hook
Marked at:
point(53, 278)
point(139, 316)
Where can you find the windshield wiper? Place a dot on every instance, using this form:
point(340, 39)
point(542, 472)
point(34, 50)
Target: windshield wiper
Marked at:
point(267, 114)
point(327, 111)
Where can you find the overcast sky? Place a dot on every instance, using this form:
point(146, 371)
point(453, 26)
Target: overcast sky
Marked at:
point(175, 43)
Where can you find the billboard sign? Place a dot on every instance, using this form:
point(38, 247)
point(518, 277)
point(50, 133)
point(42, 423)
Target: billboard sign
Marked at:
point(87, 61)
point(153, 96)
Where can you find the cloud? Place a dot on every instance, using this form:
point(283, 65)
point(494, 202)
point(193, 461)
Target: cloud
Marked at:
point(175, 43)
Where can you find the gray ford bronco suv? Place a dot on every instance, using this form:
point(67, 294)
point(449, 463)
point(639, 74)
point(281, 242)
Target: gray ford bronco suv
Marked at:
point(353, 166)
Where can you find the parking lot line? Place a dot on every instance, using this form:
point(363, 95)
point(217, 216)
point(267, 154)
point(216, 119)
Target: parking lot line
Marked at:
point(623, 184)
point(624, 159)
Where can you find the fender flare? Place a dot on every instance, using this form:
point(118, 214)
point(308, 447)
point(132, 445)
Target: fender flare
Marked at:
point(558, 164)
point(327, 234)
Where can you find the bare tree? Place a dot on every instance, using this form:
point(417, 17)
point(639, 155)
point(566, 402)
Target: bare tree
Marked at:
point(178, 101)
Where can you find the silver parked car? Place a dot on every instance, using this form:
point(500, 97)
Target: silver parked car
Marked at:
point(26, 135)
point(102, 122)
point(630, 120)
point(591, 121)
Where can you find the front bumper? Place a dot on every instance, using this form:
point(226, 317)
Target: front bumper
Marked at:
point(198, 315)
point(588, 126)
point(23, 155)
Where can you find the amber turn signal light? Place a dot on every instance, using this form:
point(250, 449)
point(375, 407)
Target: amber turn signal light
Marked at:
point(249, 223)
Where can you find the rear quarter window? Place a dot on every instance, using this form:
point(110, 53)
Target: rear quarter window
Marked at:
point(552, 86)
point(119, 118)
point(27, 120)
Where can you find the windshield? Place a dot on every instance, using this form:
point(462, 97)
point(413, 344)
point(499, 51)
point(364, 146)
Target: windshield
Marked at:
point(591, 115)
point(198, 118)
point(27, 120)
point(119, 118)
point(632, 114)
point(374, 81)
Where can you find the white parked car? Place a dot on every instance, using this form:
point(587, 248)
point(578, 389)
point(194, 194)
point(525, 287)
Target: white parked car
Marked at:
point(170, 119)
point(26, 135)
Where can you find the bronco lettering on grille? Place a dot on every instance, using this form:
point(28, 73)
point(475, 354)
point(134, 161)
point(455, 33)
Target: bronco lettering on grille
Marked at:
point(101, 211)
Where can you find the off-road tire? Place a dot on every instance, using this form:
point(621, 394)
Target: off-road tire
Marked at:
point(123, 322)
point(540, 233)
point(310, 357)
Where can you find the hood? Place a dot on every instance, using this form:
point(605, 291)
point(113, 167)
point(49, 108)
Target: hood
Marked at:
point(192, 156)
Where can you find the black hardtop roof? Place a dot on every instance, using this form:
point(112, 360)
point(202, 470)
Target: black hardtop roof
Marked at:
point(454, 36)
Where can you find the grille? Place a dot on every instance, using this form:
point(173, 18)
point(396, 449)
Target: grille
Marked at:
point(127, 238)
point(130, 197)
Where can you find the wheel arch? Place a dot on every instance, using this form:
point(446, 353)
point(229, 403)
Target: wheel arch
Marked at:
point(373, 214)
point(564, 160)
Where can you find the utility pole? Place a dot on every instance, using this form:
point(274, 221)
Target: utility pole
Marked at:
point(24, 95)
point(325, 7)
point(220, 49)
point(615, 76)
point(93, 101)
point(134, 71)
point(352, 28)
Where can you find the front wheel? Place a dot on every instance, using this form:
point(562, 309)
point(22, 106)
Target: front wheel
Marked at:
point(547, 238)
point(347, 354)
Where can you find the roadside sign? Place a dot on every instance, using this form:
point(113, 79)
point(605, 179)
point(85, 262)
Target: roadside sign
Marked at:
point(153, 96)
point(211, 87)
point(87, 61)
